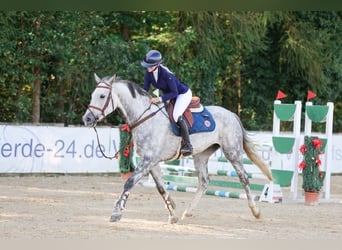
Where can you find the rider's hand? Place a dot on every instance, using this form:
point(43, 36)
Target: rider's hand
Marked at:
point(155, 100)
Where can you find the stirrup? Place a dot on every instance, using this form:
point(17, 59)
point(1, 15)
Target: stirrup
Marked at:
point(186, 150)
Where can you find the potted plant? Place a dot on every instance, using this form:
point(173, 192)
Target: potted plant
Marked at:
point(310, 166)
point(125, 154)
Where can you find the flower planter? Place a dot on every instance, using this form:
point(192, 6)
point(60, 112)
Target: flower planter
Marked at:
point(311, 198)
point(312, 176)
point(283, 145)
point(125, 153)
point(282, 177)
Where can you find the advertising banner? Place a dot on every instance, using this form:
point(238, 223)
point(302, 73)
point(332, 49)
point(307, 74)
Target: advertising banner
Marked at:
point(52, 149)
point(57, 149)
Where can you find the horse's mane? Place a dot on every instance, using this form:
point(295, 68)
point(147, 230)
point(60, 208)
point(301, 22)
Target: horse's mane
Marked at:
point(133, 88)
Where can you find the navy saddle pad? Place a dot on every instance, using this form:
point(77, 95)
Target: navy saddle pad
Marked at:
point(203, 122)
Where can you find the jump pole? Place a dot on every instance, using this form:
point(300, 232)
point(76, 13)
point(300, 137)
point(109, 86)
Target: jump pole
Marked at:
point(193, 190)
point(188, 180)
point(182, 170)
point(183, 181)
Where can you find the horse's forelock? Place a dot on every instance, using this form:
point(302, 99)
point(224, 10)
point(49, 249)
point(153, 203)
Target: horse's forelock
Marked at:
point(107, 80)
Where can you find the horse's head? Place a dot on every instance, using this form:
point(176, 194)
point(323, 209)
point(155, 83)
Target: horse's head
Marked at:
point(101, 103)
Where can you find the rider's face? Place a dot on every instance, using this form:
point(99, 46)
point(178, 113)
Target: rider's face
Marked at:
point(151, 69)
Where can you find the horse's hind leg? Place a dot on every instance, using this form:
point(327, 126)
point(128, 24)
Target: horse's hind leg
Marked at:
point(243, 176)
point(169, 203)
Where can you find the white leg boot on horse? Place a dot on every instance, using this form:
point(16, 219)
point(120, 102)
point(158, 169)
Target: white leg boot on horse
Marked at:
point(186, 149)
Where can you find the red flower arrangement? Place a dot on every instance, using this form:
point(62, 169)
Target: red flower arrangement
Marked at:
point(312, 176)
point(125, 154)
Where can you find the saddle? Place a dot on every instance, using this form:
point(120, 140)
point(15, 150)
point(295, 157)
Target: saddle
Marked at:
point(194, 106)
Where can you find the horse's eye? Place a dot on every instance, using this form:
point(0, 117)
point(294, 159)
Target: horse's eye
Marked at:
point(102, 96)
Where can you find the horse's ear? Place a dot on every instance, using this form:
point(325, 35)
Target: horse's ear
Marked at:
point(97, 78)
point(112, 79)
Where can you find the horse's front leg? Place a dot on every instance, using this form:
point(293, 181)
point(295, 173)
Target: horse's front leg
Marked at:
point(200, 162)
point(142, 169)
point(169, 203)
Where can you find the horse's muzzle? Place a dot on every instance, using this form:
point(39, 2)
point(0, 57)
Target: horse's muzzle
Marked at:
point(89, 119)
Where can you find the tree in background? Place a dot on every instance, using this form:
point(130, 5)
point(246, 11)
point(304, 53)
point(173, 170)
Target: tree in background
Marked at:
point(303, 51)
point(234, 59)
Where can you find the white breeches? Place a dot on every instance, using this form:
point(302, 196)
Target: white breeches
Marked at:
point(182, 102)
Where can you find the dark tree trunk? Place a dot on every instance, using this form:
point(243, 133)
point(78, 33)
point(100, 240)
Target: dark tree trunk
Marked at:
point(37, 84)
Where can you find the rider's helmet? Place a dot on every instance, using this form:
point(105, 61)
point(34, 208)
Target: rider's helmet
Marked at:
point(152, 58)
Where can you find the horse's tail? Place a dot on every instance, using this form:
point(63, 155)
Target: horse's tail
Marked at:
point(252, 155)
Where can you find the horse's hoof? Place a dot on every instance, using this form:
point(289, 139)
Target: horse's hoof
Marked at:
point(115, 217)
point(256, 212)
point(186, 215)
point(173, 219)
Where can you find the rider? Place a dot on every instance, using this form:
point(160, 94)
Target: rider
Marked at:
point(162, 78)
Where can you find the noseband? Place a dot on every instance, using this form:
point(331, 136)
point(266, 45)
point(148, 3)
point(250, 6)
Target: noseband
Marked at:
point(105, 106)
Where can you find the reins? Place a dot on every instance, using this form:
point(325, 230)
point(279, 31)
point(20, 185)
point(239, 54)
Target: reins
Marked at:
point(140, 121)
point(134, 125)
point(99, 146)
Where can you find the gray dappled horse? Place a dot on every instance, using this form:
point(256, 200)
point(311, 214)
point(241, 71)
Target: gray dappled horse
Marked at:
point(155, 141)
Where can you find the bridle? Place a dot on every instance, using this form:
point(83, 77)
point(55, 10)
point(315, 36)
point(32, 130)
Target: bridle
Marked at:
point(105, 106)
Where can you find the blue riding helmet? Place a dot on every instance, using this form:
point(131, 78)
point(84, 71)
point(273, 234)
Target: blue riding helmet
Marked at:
point(152, 58)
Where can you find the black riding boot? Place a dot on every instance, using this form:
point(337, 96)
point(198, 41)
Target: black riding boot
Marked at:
point(186, 149)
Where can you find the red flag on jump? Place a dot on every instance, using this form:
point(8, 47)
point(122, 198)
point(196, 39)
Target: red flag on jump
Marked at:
point(280, 95)
point(310, 95)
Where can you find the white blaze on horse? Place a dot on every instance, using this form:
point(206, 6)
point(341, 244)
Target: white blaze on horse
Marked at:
point(155, 141)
